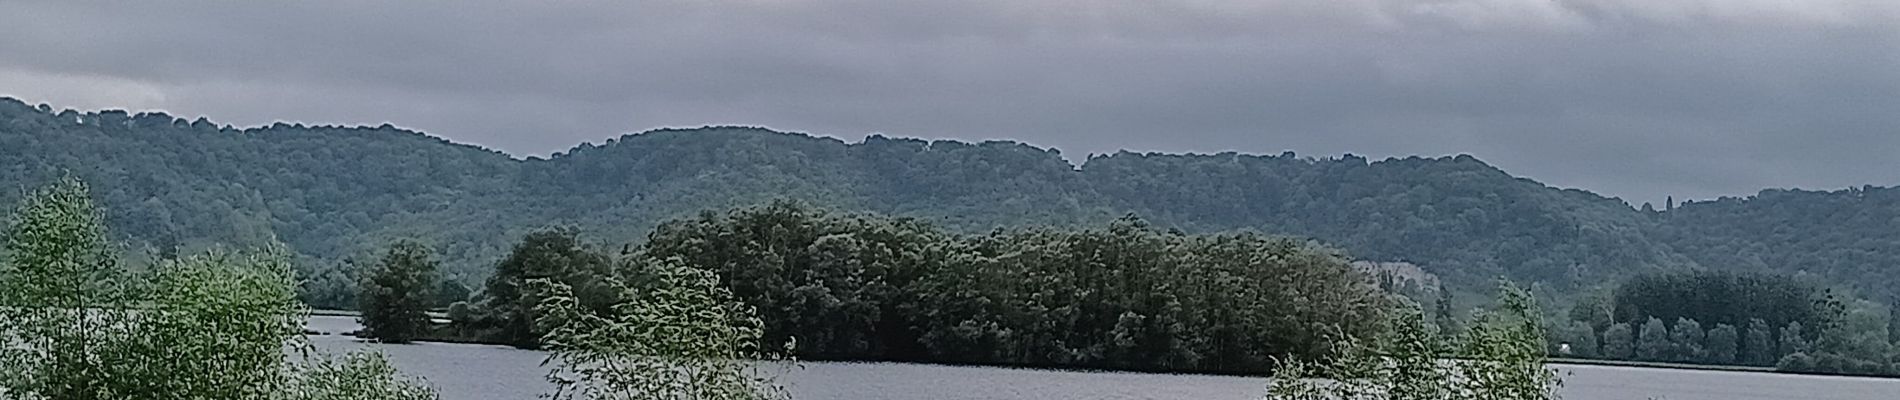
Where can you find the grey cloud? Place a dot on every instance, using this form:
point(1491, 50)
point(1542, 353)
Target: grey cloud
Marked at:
point(1632, 98)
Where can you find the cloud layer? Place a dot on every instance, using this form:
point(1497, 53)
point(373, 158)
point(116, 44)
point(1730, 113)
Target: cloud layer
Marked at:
point(1632, 98)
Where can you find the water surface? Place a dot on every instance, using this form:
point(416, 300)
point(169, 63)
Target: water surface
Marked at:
point(481, 372)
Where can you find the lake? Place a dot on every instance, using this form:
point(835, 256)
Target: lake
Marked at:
point(481, 372)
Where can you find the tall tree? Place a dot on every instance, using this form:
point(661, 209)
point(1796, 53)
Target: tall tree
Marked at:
point(1722, 343)
point(1792, 340)
point(397, 293)
point(1758, 346)
point(1618, 342)
point(554, 254)
point(1653, 343)
point(1686, 340)
point(62, 297)
point(1442, 315)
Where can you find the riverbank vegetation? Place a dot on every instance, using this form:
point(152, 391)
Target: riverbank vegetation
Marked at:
point(76, 325)
point(1724, 318)
point(226, 325)
point(1500, 356)
point(338, 196)
point(680, 315)
point(397, 294)
point(840, 286)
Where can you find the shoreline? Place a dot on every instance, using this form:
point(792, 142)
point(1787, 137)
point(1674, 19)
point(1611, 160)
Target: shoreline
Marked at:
point(1668, 365)
point(1555, 362)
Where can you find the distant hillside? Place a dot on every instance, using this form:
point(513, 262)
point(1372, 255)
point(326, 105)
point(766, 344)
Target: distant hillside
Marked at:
point(333, 193)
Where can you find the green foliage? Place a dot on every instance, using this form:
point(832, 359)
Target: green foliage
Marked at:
point(1863, 330)
point(1858, 345)
point(1619, 342)
point(1653, 344)
point(1793, 339)
point(216, 328)
point(680, 336)
point(1400, 363)
point(553, 254)
point(1443, 318)
point(1505, 352)
point(1755, 301)
point(448, 292)
point(1127, 296)
point(1758, 347)
point(397, 293)
point(357, 376)
point(1686, 341)
point(212, 326)
point(333, 288)
point(460, 312)
point(1722, 298)
point(62, 295)
point(1845, 236)
point(1722, 344)
point(841, 284)
point(1577, 338)
point(1795, 362)
point(334, 192)
point(1501, 356)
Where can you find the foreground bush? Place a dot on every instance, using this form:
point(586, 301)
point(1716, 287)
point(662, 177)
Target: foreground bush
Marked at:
point(680, 336)
point(77, 326)
point(357, 376)
point(1500, 357)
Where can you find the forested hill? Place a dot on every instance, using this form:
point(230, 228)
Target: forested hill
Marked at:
point(334, 193)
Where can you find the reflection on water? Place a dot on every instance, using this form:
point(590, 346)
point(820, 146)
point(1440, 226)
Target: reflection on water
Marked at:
point(477, 372)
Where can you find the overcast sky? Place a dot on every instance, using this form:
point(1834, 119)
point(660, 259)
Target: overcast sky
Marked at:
point(1637, 99)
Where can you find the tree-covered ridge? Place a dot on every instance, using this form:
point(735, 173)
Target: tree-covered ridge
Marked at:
point(1847, 236)
point(336, 193)
point(171, 182)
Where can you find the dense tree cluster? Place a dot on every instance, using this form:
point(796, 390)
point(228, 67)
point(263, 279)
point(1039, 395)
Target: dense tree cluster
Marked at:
point(1124, 296)
point(397, 294)
point(1717, 297)
point(1700, 317)
point(556, 255)
point(843, 286)
point(1722, 318)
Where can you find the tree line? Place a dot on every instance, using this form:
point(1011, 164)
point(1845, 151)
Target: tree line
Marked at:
point(657, 324)
point(226, 325)
point(842, 286)
point(1730, 318)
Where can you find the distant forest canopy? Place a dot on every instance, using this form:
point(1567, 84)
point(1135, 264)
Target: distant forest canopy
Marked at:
point(336, 194)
